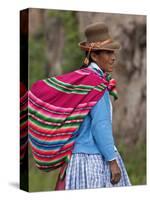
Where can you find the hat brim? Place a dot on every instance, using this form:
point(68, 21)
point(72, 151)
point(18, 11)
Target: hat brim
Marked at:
point(110, 47)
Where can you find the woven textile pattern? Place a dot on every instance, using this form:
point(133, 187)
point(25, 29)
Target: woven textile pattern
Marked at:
point(57, 107)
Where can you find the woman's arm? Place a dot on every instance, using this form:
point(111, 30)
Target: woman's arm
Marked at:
point(102, 133)
point(102, 128)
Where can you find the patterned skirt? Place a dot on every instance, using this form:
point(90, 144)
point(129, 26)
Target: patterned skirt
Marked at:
point(87, 171)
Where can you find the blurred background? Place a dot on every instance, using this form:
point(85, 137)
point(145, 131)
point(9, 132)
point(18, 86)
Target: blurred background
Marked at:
point(53, 49)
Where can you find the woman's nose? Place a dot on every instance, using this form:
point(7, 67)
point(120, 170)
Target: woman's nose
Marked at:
point(113, 57)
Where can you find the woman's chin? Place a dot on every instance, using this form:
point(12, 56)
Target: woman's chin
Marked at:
point(110, 69)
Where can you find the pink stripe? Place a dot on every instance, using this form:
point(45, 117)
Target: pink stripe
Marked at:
point(63, 116)
point(49, 135)
point(52, 123)
point(23, 146)
point(24, 97)
point(47, 113)
point(41, 135)
point(83, 105)
point(46, 152)
point(23, 116)
point(85, 78)
point(44, 122)
point(48, 105)
point(54, 131)
point(24, 133)
point(51, 152)
point(82, 72)
point(49, 139)
point(51, 95)
point(23, 126)
point(24, 107)
point(80, 112)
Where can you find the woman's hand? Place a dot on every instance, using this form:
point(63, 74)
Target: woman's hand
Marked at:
point(115, 172)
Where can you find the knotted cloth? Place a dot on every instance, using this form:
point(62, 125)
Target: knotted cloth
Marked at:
point(111, 85)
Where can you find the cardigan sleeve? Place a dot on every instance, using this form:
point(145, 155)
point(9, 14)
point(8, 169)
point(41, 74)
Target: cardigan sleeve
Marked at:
point(102, 128)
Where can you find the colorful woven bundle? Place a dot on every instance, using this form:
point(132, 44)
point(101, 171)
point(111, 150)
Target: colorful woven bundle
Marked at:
point(23, 121)
point(57, 107)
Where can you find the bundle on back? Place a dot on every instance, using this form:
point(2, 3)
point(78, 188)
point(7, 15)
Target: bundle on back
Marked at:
point(57, 106)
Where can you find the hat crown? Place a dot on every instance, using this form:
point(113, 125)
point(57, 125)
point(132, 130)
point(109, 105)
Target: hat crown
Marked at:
point(98, 38)
point(97, 32)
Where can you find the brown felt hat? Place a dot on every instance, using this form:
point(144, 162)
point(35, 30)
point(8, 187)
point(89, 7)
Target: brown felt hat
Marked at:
point(98, 38)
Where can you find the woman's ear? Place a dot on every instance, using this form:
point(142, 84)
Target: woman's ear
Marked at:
point(93, 56)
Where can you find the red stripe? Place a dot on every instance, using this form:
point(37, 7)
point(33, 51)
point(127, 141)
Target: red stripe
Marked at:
point(49, 139)
point(60, 130)
point(52, 159)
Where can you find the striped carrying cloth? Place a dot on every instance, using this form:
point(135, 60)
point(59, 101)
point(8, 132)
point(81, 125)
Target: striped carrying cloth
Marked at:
point(23, 121)
point(57, 106)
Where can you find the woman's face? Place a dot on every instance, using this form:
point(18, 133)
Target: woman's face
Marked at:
point(105, 59)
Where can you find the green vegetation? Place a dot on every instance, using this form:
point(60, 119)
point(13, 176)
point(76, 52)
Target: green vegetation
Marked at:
point(36, 59)
point(72, 56)
point(135, 162)
point(41, 181)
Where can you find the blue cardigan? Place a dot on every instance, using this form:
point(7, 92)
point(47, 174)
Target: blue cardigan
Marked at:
point(95, 132)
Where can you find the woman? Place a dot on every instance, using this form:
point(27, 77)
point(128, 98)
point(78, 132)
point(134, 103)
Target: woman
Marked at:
point(95, 161)
point(70, 119)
